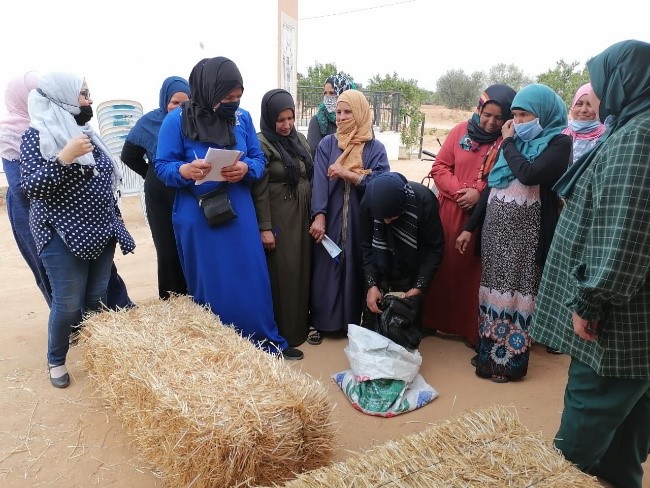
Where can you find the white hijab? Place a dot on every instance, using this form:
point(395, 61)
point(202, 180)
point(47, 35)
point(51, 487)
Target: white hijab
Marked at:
point(52, 108)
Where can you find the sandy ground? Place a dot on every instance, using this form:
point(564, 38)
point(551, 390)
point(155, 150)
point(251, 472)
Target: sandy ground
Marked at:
point(70, 437)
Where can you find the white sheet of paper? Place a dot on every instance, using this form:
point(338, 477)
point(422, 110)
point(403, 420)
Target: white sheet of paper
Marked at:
point(219, 158)
point(331, 247)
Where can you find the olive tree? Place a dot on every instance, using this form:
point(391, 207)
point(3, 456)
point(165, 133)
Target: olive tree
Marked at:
point(458, 90)
point(565, 79)
point(411, 99)
point(318, 74)
point(508, 74)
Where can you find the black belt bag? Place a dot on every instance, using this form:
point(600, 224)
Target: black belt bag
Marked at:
point(216, 206)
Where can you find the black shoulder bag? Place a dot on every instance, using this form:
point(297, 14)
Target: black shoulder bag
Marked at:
point(216, 206)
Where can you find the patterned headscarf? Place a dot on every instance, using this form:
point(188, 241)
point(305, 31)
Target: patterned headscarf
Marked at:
point(340, 82)
point(391, 195)
point(16, 122)
point(352, 134)
point(211, 80)
point(620, 77)
point(289, 147)
point(145, 131)
point(546, 105)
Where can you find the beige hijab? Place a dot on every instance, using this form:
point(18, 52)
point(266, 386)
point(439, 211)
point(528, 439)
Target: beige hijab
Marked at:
point(353, 134)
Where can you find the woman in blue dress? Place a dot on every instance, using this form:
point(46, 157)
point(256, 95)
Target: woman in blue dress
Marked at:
point(224, 265)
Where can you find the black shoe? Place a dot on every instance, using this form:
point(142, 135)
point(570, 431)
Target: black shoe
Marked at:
point(62, 381)
point(292, 354)
point(474, 361)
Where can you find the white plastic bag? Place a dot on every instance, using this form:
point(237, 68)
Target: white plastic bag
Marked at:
point(373, 356)
point(383, 378)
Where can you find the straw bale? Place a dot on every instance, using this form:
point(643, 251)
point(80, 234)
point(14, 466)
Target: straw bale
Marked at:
point(202, 404)
point(483, 448)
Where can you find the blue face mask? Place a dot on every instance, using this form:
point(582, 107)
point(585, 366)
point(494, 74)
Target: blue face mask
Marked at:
point(583, 125)
point(227, 110)
point(527, 131)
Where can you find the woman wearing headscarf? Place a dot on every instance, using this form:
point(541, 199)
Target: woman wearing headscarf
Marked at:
point(142, 141)
point(401, 238)
point(520, 217)
point(12, 127)
point(224, 264)
point(460, 175)
point(345, 163)
point(324, 122)
point(594, 297)
point(71, 180)
point(584, 126)
point(282, 199)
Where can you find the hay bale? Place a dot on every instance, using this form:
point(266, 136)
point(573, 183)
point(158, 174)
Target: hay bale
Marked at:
point(201, 403)
point(486, 448)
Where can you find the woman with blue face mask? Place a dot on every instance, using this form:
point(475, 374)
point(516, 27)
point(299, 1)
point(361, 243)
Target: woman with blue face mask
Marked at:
point(519, 215)
point(584, 127)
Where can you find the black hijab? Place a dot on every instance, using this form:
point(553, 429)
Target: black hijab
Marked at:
point(289, 147)
point(211, 80)
point(502, 95)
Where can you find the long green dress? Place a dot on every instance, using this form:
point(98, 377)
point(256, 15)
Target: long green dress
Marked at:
point(285, 211)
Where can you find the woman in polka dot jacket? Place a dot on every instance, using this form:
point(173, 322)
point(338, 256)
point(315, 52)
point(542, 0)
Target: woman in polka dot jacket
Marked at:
point(70, 179)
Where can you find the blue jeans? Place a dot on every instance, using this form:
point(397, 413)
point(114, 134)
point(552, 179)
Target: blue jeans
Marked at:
point(18, 212)
point(78, 287)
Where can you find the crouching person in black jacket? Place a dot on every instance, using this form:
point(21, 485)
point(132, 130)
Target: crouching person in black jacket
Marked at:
point(402, 243)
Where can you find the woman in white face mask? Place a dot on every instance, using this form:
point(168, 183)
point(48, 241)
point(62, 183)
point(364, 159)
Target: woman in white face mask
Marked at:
point(584, 127)
point(324, 122)
point(519, 215)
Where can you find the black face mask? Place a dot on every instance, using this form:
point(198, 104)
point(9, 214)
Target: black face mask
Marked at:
point(83, 117)
point(227, 110)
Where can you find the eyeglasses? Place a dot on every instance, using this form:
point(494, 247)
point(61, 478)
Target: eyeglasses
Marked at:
point(85, 93)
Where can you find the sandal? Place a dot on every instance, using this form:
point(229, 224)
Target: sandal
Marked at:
point(314, 337)
point(499, 379)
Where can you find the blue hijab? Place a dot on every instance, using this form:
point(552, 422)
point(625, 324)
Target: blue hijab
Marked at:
point(551, 110)
point(145, 131)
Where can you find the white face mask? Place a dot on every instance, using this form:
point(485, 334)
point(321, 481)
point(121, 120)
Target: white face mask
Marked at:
point(527, 131)
point(330, 102)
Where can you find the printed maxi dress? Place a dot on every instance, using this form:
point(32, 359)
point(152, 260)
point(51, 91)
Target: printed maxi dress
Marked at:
point(509, 280)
